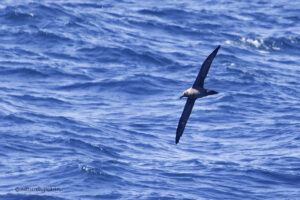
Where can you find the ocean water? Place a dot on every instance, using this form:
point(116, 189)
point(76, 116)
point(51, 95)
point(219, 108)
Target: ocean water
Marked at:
point(90, 103)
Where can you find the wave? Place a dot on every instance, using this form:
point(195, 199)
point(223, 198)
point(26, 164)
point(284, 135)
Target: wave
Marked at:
point(39, 100)
point(16, 16)
point(28, 196)
point(16, 119)
point(23, 73)
point(50, 38)
point(135, 85)
point(171, 13)
point(101, 150)
point(269, 44)
point(119, 54)
point(44, 72)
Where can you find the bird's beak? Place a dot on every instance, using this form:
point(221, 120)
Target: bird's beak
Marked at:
point(181, 97)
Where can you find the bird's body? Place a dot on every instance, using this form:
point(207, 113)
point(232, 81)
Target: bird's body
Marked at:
point(196, 91)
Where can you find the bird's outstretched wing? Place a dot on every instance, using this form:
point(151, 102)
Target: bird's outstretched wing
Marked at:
point(199, 82)
point(184, 117)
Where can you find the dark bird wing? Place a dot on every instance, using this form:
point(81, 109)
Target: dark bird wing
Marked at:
point(184, 117)
point(199, 82)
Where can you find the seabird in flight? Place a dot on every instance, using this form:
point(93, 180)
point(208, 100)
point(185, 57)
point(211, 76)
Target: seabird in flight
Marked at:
point(196, 91)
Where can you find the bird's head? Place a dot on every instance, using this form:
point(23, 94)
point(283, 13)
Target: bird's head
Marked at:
point(184, 94)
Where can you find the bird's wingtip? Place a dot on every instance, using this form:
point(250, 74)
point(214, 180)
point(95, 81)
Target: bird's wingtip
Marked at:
point(216, 50)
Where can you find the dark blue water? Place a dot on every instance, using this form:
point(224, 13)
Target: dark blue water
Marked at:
point(89, 100)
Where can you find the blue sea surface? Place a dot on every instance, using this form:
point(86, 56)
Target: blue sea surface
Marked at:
point(89, 100)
